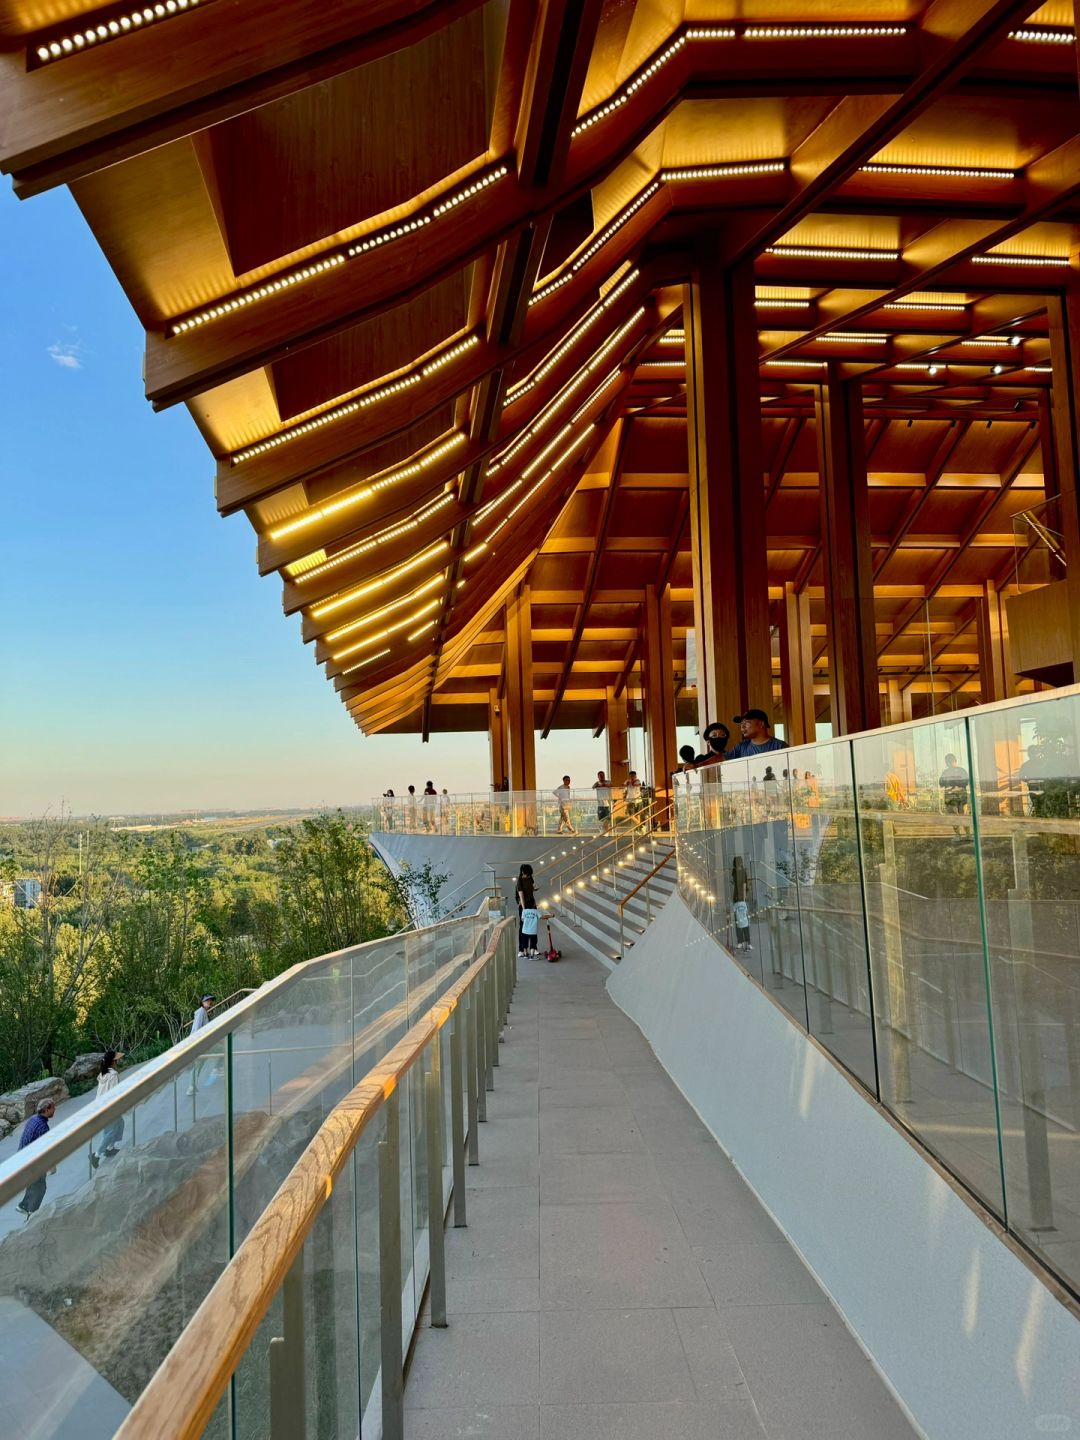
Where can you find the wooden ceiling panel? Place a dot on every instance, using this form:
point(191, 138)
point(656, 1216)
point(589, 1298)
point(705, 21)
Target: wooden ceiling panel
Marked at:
point(290, 173)
point(320, 373)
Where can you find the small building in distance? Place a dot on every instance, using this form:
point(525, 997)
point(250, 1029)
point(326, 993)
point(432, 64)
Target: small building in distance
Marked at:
point(27, 893)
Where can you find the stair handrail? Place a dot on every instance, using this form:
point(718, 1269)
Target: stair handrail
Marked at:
point(668, 858)
point(639, 826)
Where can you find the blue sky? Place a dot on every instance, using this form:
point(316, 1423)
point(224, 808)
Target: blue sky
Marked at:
point(145, 664)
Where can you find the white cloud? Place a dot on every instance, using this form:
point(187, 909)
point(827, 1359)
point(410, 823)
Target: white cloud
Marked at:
point(66, 355)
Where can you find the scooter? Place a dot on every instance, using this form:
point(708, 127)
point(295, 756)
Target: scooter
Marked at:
point(552, 953)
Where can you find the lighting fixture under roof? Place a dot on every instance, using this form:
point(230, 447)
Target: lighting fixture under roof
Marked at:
point(1039, 35)
point(945, 172)
point(951, 305)
point(131, 21)
point(372, 241)
point(1001, 259)
point(831, 252)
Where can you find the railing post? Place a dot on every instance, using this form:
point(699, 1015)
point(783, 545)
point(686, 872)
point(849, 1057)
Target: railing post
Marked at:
point(393, 1388)
point(479, 994)
point(288, 1408)
point(491, 1047)
point(496, 1004)
point(436, 1210)
point(471, 1071)
point(457, 1114)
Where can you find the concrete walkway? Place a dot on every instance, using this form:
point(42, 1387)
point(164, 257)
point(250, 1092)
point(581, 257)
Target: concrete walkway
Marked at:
point(617, 1280)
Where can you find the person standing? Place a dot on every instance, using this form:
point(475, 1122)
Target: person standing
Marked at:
point(410, 811)
point(199, 1021)
point(756, 735)
point(602, 786)
point(562, 795)
point(528, 915)
point(108, 1080)
point(34, 1129)
point(632, 798)
point(431, 795)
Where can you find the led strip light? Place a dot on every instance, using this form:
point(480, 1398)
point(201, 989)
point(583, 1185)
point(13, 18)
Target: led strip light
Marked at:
point(839, 336)
point(931, 369)
point(1000, 259)
point(382, 390)
point(362, 621)
point(287, 279)
point(384, 634)
point(952, 305)
point(547, 365)
point(1036, 36)
point(993, 340)
point(504, 456)
point(774, 304)
point(382, 537)
point(379, 615)
point(946, 172)
point(823, 32)
point(358, 592)
point(391, 477)
point(830, 252)
point(126, 24)
point(564, 278)
point(659, 60)
point(795, 364)
point(668, 52)
point(695, 172)
point(725, 172)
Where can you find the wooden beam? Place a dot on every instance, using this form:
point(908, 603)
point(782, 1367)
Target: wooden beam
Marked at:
point(727, 498)
point(849, 582)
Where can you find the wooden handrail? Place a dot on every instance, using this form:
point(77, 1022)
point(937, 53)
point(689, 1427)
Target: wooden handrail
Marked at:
point(184, 1392)
point(659, 866)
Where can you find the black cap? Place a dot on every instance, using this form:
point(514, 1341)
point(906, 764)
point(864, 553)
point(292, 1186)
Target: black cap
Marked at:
point(753, 715)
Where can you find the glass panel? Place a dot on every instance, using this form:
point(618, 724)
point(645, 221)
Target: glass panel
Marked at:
point(824, 863)
point(1027, 783)
point(927, 963)
point(115, 1256)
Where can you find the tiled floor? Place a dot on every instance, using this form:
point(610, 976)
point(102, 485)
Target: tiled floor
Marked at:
point(617, 1280)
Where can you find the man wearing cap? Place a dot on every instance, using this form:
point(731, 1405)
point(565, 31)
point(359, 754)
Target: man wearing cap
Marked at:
point(757, 737)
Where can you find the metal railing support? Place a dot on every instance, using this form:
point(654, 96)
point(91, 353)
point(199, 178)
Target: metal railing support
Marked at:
point(472, 1070)
point(457, 1115)
point(491, 1039)
point(288, 1406)
point(393, 1384)
point(481, 1050)
point(436, 1212)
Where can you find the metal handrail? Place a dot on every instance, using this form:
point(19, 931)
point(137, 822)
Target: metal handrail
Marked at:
point(668, 858)
point(88, 1122)
point(185, 1391)
point(616, 837)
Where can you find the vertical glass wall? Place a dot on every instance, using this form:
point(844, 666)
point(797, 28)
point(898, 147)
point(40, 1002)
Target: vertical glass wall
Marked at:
point(912, 898)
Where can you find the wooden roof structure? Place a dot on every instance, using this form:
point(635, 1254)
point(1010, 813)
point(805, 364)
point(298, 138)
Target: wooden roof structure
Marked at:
point(418, 270)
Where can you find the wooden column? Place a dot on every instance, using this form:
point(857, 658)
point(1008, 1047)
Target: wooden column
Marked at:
point(845, 538)
point(727, 491)
point(899, 701)
point(1063, 312)
point(659, 697)
point(617, 724)
point(796, 667)
point(519, 708)
point(995, 665)
point(500, 760)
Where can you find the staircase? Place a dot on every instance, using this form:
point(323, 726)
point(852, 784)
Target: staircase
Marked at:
point(608, 890)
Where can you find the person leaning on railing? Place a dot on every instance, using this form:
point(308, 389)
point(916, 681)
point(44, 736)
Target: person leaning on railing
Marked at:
point(757, 739)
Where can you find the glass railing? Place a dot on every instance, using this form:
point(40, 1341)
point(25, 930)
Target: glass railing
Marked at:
point(511, 812)
point(912, 898)
point(136, 1205)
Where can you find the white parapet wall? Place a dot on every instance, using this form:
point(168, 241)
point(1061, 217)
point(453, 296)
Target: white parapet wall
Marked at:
point(464, 858)
point(972, 1341)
